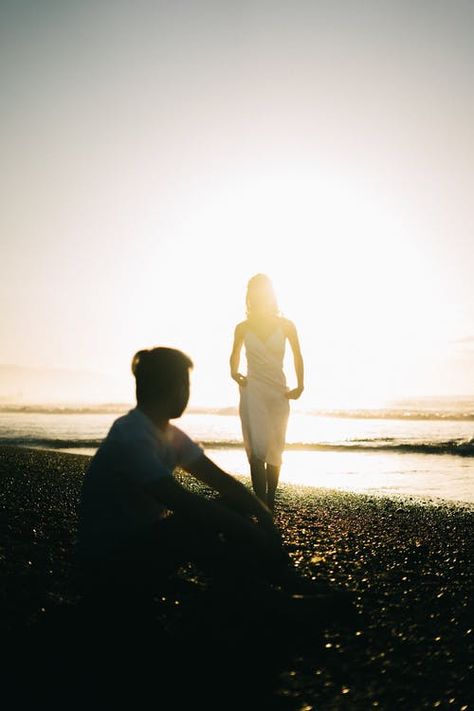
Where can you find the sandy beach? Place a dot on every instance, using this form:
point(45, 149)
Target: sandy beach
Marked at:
point(409, 562)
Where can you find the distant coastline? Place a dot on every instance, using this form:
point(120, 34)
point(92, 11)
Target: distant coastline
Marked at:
point(460, 410)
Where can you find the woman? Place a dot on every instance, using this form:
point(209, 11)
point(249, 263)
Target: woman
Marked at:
point(264, 406)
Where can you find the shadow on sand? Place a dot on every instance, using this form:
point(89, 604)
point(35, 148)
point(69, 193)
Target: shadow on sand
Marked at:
point(190, 648)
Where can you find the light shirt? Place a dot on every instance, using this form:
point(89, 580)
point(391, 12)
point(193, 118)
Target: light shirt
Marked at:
point(116, 507)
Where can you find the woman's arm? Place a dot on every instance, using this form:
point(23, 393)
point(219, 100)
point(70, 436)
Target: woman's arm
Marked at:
point(293, 339)
point(235, 355)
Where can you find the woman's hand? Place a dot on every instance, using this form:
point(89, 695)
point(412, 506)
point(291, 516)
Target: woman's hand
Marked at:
point(241, 380)
point(295, 393)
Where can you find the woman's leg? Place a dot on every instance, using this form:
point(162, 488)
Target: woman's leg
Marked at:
point(279, 410)
point(273, 474)
point(259, 478)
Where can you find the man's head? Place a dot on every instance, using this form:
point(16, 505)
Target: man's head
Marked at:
point(162, 380)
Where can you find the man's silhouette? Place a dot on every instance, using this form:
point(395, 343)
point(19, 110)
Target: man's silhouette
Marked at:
point(138, 522)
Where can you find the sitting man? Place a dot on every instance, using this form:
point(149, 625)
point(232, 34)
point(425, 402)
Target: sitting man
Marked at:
point(138, 524)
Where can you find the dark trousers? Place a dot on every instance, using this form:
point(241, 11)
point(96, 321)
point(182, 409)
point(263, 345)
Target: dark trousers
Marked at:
point(146, 564)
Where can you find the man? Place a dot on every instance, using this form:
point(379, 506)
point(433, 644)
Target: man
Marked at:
point(138, 524)
point(138, 521)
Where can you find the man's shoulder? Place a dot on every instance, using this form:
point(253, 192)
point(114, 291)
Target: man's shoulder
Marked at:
point(176, 435)
point(187, 449)
point(128, 426)
point(123, 422)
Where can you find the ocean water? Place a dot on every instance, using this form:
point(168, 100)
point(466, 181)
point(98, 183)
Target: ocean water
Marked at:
point(420, 453)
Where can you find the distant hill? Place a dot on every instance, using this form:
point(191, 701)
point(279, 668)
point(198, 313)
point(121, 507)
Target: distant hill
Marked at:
point(197, 410)
point(25, 385)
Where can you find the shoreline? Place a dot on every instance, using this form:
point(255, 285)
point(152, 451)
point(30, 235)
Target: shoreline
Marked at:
point(409, 562)
point(376, 493)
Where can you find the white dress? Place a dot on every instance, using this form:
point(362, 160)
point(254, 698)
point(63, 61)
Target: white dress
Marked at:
point(264, 408)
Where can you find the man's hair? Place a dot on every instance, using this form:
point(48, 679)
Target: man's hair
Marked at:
point(157, 371)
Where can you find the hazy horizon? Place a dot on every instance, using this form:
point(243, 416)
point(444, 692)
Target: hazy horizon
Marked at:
point(37, 388)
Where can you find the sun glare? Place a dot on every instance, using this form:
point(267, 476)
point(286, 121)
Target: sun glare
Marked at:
point(344, 260)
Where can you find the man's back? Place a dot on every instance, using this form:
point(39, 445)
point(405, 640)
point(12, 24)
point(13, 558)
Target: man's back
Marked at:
point(116, 506)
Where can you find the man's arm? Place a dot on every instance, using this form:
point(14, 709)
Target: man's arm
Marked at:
point(236, 493)
point(207, 514)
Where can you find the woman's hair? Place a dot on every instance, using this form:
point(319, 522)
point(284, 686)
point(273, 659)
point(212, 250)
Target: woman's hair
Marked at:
point(261, 299)
point(158, 371)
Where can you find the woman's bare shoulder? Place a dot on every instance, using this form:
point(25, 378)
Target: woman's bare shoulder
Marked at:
point(241, 328)
point(287, 326)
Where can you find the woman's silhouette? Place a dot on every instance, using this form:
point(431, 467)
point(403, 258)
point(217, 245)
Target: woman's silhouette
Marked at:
point(264, 406)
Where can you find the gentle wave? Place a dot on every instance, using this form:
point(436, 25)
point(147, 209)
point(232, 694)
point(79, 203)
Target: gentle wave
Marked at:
point(462, 448)
point(50, 443)
point(444, 415)
point(456, 415)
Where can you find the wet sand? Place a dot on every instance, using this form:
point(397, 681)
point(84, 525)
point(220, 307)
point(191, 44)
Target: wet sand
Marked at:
point(410, 563)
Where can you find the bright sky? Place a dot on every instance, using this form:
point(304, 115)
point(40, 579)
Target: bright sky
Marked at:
point(155, 155)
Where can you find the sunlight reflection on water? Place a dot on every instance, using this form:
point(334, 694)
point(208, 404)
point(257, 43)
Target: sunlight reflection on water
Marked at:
point(367, 472)
point(385, 472)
